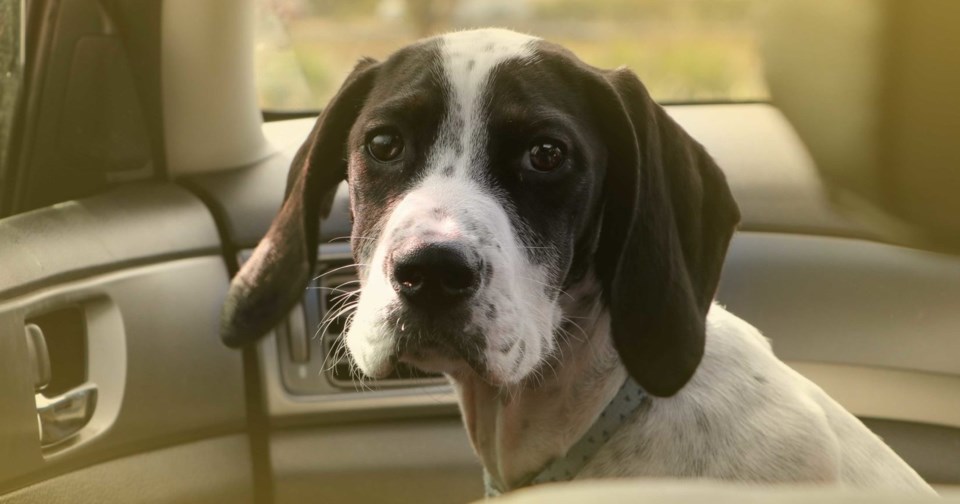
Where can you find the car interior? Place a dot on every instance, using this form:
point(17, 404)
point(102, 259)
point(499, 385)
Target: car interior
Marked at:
point(138, 170)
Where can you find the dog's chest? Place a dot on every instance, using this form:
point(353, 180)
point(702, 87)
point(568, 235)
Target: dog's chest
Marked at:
point(743, 416)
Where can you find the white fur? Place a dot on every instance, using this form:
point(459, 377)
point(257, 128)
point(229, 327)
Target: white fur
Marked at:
point(747, 416)
point(469, 60)
point(744, 416)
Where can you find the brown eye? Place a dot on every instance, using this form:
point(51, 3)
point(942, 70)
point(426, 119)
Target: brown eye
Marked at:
point(385, 146)
point(547, 155)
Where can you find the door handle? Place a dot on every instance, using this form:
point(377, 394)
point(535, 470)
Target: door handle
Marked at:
point(64, 415)
point(39, 357)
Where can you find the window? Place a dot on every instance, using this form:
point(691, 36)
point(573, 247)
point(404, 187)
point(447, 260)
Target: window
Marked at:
point(11, 74)
point(684, 50)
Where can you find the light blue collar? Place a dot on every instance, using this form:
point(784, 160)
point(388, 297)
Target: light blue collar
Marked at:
point(611, 419)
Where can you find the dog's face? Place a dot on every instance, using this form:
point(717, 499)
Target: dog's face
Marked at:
point(489, 171)
point(472, 183)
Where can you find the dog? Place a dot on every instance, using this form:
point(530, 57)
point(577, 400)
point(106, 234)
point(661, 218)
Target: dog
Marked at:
point(541, 231)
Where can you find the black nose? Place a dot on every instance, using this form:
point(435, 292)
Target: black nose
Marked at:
point(436, 275)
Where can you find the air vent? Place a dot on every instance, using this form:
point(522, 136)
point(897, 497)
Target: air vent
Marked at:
point(336, 292)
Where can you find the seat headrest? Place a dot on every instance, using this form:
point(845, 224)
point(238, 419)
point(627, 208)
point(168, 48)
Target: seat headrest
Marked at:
point(873, 88)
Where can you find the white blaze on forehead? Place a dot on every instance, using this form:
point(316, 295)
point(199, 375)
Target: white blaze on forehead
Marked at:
point(469, 58)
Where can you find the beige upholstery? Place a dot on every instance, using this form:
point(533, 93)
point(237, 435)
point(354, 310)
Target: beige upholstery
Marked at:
point(871, 87)
point(703, 492)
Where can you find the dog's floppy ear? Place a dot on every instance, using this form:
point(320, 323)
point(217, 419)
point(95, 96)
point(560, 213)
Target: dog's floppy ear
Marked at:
point(668, 218)
point(272, 281)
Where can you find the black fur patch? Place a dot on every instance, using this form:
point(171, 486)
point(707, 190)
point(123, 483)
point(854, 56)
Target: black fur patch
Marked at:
point(555, 212)
point(412, 101)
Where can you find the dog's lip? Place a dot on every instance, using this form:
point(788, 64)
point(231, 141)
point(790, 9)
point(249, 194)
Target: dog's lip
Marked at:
point(433, 344)
point(431, 360)
point(434, 357)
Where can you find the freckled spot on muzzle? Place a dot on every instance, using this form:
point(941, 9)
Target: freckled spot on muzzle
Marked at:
point(490, 311)
point(522, 351)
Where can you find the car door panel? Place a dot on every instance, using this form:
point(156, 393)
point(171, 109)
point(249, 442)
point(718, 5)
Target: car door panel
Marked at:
point(211, 471)
point(420, 459)
point(138, 224)
point(142, 265)
point(845, 301)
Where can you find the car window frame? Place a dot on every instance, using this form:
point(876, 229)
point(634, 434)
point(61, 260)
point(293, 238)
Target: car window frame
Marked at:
point(11, 106)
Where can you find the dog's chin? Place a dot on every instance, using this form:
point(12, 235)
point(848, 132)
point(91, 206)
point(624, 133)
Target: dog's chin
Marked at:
point(440, 354)
point(426, 354)
point(434, 357)
point(445, 343)
point(434, 360)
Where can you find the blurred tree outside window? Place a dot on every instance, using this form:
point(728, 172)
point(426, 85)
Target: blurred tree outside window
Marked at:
point(684, 50)
point(11, 68)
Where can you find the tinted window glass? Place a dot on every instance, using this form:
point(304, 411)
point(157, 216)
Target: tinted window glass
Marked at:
point(684, 50)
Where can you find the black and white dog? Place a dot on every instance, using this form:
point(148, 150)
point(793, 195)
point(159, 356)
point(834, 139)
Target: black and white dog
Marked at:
point(542, 232)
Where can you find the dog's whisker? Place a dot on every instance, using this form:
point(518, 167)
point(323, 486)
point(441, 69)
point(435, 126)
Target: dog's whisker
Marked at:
point(556, 289)
point(342, 344)
point(339, 286)
point(339, 268)
point(346, 292)
point(342, 310)
point(583, 331)
point(333, 314)
point(342, 354)
point(345, 238)
point(333, 351)
point(343, 301)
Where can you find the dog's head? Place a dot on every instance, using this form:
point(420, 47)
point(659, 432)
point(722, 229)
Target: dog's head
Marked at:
point(489, 171)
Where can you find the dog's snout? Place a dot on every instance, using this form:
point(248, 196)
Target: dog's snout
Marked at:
point(436, 275)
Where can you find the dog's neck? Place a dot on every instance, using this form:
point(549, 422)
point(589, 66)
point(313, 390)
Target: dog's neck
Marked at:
point(517, 430)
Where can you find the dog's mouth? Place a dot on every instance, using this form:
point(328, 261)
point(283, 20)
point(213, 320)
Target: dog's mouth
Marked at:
point(437, 344)
point(432, 359)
